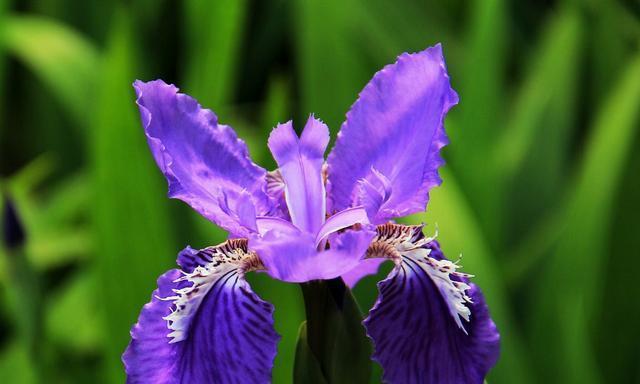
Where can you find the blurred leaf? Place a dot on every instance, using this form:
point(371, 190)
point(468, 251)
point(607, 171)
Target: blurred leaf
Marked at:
point(4, 5)
point(328, 59)
point(56, 235)
point(481, 89)
point(57, 247)
point(532, 155)
point(612, 32)
point(276, 107)
point(459, 231)
point(133, 228)
point(390, 28)
point(68, 201)
point(307, 366)
point(569, 295)
point(333, 336)
point(548, 84)
point(72, 318)
point(15, 365)
point(276, 110)
point(214, 31)
point(64, 60)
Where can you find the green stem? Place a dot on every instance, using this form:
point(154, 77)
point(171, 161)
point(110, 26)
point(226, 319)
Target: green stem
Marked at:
point(332, 341)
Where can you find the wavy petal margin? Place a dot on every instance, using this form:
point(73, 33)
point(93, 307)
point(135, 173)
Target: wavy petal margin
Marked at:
point(386, 155)
point(205, 163)
point(416, 339)
point(206, 326)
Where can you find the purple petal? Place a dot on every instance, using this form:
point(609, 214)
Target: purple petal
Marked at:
point(363, 269)
point(300, 163)
point(429, 347)
point(293, 256)
point(341, 220)
point(205, 163)
point(393, 135)
point(267, 223)
point(227, 335)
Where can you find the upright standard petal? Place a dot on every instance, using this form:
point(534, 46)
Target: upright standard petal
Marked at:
point(416, 324)
point(300, 164)
point(205, 163)
point(204, 326)
point(291, 254)
point(386, 155)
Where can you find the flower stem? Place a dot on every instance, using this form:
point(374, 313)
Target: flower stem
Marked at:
point(332, 335)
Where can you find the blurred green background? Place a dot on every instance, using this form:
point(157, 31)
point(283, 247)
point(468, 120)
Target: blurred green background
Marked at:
point(541, 192)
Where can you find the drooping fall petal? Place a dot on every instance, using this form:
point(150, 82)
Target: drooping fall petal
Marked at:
point(418, 328)
point(203, 326)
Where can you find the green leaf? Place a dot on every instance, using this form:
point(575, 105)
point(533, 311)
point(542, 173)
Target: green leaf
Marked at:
point(532, 155)
point(569, 295)
point(16, 365)
point(548, 85)
point(330, 67)
point(307, 367)
point(63, 59)
point(335, 338)
point(214, 31)
point(479, 115)
point(134, 239)
point(72, 317)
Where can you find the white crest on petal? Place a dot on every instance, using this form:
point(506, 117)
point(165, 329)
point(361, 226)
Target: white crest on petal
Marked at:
point(400, 242)
point(440, 272)
point(226, 260)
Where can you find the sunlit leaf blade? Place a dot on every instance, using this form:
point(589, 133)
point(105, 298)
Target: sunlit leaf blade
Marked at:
point(532, 156)
point(480, 112)
point(63, 59)
point(72, 316)
point(133, 228)
point(547, 89)
point(329, 61)
point(460, 233)
point(16, 365)
point(569, 295)
point(214, 31)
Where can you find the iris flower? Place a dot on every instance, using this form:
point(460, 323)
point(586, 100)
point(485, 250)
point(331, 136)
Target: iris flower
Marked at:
point(311, 220)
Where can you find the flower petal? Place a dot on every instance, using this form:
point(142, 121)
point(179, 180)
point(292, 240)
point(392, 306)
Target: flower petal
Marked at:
point(300, 164)
point(392, 135)
point(202, 327)
point(415, 337)
point(293, 256)
point(342, 220)
point(270, 223)
point(205, 163)
point(364, 268)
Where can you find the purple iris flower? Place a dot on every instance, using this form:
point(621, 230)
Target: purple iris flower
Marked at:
point(311, 220)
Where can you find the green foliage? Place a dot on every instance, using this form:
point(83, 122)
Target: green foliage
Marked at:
point(62, 58)
point(332, 339)
point(539, 194)
point(132, 223)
